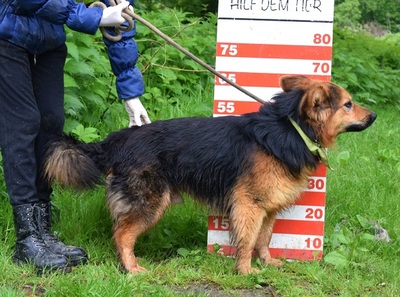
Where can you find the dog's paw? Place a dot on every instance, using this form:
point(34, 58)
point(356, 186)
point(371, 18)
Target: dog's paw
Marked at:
point(137, 269)
point(248, 270)
point(273, 262)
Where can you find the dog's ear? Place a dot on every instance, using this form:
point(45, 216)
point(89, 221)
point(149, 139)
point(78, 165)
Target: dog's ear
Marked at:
point(315, 102)
point(291, 82)
point(320, 98)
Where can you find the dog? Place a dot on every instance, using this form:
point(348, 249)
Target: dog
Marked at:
point(249, 167)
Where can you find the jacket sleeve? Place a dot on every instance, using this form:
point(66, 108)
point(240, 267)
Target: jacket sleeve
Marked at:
point(123, 56)
point(76, 16)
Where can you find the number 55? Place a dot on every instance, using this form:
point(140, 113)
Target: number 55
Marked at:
point(228, 107)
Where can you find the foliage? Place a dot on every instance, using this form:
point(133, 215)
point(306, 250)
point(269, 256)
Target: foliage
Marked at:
point(90, 96)
point(168, 73)
point(347, 13)
point(351, 237)
point(354, 13)
point(89, 83)
point(367, 66)
point(195, 7)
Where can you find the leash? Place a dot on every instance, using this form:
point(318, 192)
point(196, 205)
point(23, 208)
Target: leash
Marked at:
point(128, 14)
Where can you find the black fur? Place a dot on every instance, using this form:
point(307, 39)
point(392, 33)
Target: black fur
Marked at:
point(207, 155)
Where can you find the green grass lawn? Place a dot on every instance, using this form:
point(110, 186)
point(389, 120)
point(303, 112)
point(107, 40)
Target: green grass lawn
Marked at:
point(363, 189)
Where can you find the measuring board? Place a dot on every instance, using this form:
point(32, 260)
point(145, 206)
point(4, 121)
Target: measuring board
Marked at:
point(258, 41)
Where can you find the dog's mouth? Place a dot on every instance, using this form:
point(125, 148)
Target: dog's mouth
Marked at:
point(362, 125)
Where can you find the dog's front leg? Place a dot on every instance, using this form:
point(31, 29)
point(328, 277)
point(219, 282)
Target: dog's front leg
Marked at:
point(264, 239)
point(246, 223)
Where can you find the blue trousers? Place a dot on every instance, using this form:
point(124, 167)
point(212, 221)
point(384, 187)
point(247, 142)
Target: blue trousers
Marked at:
point(31, 112)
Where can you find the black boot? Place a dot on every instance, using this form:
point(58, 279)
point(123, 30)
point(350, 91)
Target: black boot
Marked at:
point(75, 255)
point(30, 246)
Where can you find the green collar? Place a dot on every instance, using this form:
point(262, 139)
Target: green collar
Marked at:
point(314, 147)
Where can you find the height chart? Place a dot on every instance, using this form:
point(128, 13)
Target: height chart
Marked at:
point(258, 41)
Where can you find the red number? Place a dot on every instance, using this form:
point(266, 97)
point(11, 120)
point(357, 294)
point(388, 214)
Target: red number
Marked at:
point(315, 243)
point(324, 67)
point(317, 213)
point(318, 184)
point(324, 39)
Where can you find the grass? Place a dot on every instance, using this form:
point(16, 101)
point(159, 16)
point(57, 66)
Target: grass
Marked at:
point(364, 188)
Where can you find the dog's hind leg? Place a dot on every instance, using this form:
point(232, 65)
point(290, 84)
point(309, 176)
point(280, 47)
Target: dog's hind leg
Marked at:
point(135, 207)
point(264, 239)
point(125, 234)
point(246, 222)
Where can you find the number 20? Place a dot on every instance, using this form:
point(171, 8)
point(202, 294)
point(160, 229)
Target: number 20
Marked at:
point(317, 213)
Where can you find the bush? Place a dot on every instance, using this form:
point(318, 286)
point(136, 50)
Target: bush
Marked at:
point(169, 73)
point(367, 66)
point(91, 103)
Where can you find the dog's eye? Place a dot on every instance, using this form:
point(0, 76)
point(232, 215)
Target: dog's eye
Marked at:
point(349, 104)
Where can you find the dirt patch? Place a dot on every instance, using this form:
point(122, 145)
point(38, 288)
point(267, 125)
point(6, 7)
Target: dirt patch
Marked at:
point(216, 291)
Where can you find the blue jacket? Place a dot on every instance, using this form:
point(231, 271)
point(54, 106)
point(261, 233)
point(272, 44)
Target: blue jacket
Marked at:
point(38, 26)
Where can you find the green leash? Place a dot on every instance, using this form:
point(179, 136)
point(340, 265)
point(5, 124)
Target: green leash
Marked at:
point(314, 147)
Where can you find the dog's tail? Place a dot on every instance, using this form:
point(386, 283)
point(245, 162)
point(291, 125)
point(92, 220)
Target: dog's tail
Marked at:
point(73, 164)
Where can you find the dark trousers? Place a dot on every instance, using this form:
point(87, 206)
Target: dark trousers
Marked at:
point(31, 112)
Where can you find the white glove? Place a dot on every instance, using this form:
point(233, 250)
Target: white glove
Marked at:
point(137, 113)
point(112, 15)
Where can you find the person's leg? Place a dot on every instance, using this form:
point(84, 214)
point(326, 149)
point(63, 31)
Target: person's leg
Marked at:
point(48, 86)
point(19, 126)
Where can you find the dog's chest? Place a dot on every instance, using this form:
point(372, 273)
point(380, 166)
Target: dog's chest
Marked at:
point(270, 185)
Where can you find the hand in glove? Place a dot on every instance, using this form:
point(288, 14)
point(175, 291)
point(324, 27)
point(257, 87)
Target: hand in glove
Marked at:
point(137, 113)
point(112, 15)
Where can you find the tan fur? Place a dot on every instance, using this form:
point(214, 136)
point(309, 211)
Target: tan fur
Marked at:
point(260, 196)
point(324, 111)
point(63, 174)
point(130, 222)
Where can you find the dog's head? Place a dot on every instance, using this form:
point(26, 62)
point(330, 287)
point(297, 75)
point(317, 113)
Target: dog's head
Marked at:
point(327, 108)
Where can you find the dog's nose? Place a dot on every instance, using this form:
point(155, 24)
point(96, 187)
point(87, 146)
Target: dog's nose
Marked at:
point(372, 118)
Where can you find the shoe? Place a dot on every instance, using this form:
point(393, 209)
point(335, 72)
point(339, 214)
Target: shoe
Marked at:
point(75, 255)
point(30, 247)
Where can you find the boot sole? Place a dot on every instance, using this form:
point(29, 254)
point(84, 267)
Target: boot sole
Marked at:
point(77, 261)
point(43, 270)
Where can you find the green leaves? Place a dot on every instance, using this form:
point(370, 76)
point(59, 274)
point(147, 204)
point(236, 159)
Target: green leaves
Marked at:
point(168, 73)
point(170, 76)
point(352, 239)
point(336, 258)
point(86, 134)
point(367, 66)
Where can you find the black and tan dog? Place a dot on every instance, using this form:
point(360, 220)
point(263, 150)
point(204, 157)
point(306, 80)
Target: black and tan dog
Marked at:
point(249, 167)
